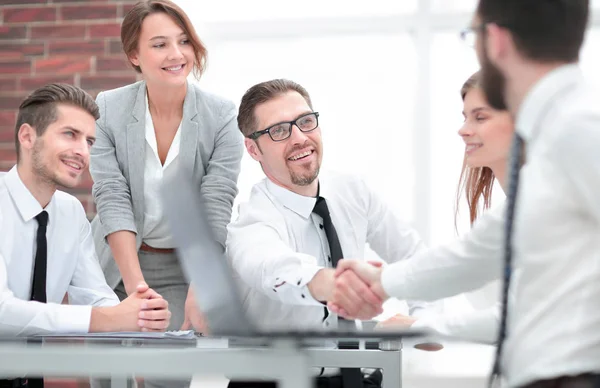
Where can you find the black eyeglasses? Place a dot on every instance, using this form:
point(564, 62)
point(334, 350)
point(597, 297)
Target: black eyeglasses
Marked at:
point(282, 131)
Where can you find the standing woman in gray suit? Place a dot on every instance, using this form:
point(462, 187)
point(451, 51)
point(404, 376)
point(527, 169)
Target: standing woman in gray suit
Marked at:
point(148, 130)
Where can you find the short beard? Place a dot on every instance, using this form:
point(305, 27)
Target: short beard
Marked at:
point(41, 170)
point(304, 180)
point(493, 83)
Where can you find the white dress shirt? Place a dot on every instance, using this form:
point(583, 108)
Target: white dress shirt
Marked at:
point(72, 264)
point(156, 232)
point(554, 319)
point(277, 245)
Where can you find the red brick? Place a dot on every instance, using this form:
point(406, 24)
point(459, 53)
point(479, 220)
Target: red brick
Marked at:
point(94, 92)
point(8, 84)
point(10, 33)
point(76, 48)
point(8, 154)
point(8, 118)
point(112, 64)
point(89, 12)
point(7, 134)
point(31, 83)
point(20, 50)
point(104, 82)
point(127, 8)
point(22, 66)
point(75, 31)
point(62, 65)
point(11, 100)
point(80, 1)
point(30, 14)
point(19, 2)
point(112, 30)
point(115, 47)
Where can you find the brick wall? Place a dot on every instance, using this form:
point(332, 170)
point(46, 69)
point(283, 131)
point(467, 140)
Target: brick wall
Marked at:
point(73, 41)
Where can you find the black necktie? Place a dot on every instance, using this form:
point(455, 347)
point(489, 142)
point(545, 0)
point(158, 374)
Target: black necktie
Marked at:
point(38, 287)
point(351, 377)
point(516, 158)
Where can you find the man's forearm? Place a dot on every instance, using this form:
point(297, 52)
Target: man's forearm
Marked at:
point(103, 320)
point(322, 284)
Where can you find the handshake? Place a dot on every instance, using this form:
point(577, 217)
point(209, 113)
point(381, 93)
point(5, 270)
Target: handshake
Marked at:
point(357, 290)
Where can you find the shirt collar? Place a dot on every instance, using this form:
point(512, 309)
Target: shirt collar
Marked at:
point(297, 203)
point(25, 202)
point(537, 100)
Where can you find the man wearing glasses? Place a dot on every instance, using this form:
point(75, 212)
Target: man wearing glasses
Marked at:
point(297, 224)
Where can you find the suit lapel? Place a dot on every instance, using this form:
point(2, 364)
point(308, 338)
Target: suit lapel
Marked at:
point(136, 138)
point(189, 131)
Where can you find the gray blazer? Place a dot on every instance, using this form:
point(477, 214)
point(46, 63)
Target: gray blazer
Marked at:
point(211, 149)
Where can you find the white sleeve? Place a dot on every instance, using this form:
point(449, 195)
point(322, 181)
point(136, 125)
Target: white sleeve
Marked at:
point(88, 285)
point(21, 318)
point(392, 238)
point(265, 262)
point(444, 271)
point(575, 152)
point(477, 326)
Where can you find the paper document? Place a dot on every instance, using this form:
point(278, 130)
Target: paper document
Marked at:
point(176, 334)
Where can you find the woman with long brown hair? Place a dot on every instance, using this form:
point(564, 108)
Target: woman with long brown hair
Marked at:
point(487, 134)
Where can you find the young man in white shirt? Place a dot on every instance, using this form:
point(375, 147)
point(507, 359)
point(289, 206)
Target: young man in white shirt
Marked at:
point(529, 51)
point(46, 247)
point(281, 245)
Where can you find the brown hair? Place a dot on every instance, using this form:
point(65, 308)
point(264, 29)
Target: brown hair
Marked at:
point(39, 108)
point(261, 93)
point(476, 182)
point(132, 26)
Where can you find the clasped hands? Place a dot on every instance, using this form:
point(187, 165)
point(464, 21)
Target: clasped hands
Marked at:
point(358, 293)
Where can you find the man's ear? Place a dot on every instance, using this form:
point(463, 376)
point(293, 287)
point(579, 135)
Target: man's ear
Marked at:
point(253, 149)
point(499, 42)
point(27, 136)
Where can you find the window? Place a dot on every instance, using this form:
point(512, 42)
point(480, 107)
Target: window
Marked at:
point(365, 64)
point(365, 103)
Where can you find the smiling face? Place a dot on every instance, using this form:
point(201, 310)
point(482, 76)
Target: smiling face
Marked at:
point(164, 53)
point(62, 153)
point(293, 163)
point(487, 132)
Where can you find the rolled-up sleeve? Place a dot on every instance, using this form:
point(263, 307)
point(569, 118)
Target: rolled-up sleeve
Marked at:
point(265, 262)
point(219, 185)
point(110, 190)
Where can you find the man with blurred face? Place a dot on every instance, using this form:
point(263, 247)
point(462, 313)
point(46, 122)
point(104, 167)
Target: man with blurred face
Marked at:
point(529, 53)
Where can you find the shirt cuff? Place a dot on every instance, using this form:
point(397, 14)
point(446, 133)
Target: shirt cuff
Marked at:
point(297, 284)
point(76, 321)
point(393, 280)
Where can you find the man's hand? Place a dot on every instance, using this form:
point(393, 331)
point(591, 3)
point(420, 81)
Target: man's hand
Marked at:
point(400, 321)
point(397, 321)
point(193, 315)
point(144, 310)
point(365, 280)
point(354, 296)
